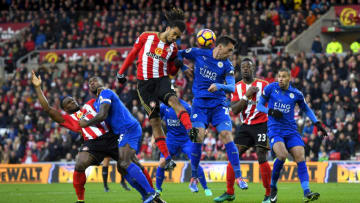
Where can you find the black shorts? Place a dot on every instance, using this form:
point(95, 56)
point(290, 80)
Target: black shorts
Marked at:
point(104, 146)
point(253, 135)
point(152, 91)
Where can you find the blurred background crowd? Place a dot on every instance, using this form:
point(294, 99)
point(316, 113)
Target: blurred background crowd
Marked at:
point(330, 83)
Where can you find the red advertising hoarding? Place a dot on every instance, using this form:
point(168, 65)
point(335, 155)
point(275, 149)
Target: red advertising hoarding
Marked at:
point(8, 30)
point(348, 15)
point(107, 54)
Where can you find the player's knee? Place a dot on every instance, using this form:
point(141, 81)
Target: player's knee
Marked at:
point(261, 153)
point(124, 164)
point(282, 156)
point(225, 137)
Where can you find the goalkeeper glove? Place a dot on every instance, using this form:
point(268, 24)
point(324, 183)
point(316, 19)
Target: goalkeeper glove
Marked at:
point(121, 78)
point(321, 128)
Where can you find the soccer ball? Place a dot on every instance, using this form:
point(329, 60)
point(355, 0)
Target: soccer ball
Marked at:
point(205, 37)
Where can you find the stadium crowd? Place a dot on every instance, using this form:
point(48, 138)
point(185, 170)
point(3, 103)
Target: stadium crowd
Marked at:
point(87, 24)
point(330, 83)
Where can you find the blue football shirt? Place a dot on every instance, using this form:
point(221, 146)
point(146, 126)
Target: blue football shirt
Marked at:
point(119, 117)
point(175, 131)
point(207, 70)
point(284, 101)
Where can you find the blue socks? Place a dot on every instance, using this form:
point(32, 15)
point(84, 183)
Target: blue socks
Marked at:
point(135, 185)
point(233, 156)
point(135, 172)
point(303, 176)
point(202, 178)
point(278, 165)
point(160, 176)
point(195, 159)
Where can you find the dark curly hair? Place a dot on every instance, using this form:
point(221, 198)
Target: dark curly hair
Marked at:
point(175, 18)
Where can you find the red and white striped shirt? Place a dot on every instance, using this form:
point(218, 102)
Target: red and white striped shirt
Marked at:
point(87, 112)
point(155, 57)
point(250, 115)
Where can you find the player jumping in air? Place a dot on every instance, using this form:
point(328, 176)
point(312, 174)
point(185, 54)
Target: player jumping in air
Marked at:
point(212, 69)
point(156, 52)
point(253, 131)
point(99, 141)
point(283, 134)
point(177, 140)
point(109, 108)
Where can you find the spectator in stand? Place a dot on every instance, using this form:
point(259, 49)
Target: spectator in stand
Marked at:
point(355, 46)
point(343, 147)
point(334, 47)
point(316, 45)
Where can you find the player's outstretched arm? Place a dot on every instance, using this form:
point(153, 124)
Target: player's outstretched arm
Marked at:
point(129, 60)
point(101, 116)
point(303, 105)
point(229, 87)
point(53, 113)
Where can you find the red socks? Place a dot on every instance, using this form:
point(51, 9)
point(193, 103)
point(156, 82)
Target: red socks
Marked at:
point(160, 142)
point(230, 179)
point(265, 172)
point(79, 180)
point(147, 175)
point(184, 118)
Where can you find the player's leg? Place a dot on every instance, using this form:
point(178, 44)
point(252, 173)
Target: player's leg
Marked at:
point(196, 150)
point(105, 172)
point(279, 148)
point(147, 94)
point(143, 169)
point(128, 146)
point(229, 195)
point(160, 172)
point(160, 175)
point(168, 96)
point(265, 171)
point(84, 160)
point(221, 119)
point(186, 148)
point(260, 138)
point(298, 152)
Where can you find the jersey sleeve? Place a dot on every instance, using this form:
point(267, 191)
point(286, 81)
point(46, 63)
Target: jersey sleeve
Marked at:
point(174, 53)
point(70, 124)
point(105, 96)
point(235, 96)
point(139, 42)
point(266, 92)
point(230, 69)
point(189, 53)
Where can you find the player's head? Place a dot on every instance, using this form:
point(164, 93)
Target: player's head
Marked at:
point(247, 68)
point(225, 47)
point(175, 25)
point(95, 83)
point(69, 104)
point(284, 78)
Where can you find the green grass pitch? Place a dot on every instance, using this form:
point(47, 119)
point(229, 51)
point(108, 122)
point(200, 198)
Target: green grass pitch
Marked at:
point(173, 193)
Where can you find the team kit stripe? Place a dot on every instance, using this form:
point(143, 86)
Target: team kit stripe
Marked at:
point(144, 61)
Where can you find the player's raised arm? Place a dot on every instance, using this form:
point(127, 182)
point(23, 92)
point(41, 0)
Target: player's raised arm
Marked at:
point(53, 113)
point(263, 100)
point(129, 59)
point(105, 103)
point(303, 106)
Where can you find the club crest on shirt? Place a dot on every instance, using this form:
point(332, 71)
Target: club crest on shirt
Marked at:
point(79, 115)
point(220, 64)
point(291, 95)
point(195, 116)
point(158, 51)
point(188, 50)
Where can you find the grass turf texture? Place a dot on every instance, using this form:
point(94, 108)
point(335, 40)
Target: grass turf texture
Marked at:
point(173, 193)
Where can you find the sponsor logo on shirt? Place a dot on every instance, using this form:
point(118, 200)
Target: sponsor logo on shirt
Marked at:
point(206, 73)
point(154, 56)
point(173, 122)
point(285, 108)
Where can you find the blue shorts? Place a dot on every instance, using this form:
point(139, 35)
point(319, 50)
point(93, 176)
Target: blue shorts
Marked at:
point(175, 147)
point(290, 140)
point(131, 137)
point(217, 116)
